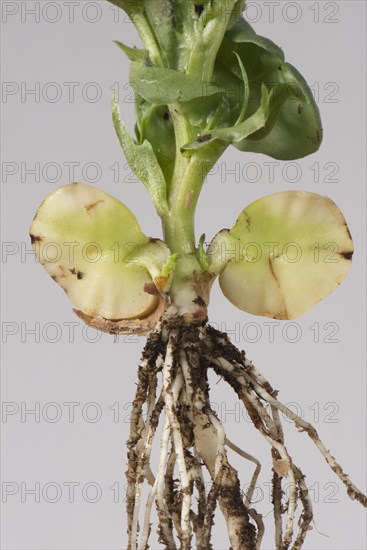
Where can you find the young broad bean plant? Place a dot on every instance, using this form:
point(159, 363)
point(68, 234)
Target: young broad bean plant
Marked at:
point(204, 81)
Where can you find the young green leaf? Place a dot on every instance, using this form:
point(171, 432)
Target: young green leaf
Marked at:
point(213, 111)
point(201, 254)
point(246, 95)
point(220, 110)
point(154, 124)
point(237, 133)
point(259, 55)
point(284, 254)
point(142, 161)
point(294, 128)
point(236, 14)
point(162, 86)
point(134, 54)
point(90, 244)
point(160, 16)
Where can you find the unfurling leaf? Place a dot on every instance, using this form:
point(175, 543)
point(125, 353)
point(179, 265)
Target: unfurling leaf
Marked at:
point(92, 246)
point(142, 161)
point(284, 254)
point(154, 124)
point(259, 55)
point(236, 133)
point(246, 94)
point(293, 128)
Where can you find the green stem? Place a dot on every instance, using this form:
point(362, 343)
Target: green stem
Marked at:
point(178, 224)
point(187, 180)
point(190, 285)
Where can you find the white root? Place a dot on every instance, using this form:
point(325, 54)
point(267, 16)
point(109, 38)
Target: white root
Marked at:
point(269, 424)
point(303, 425)
point(137, 427)
point(277, 509)
point(220, 455)
point(250, 491)
point(202, 500)
point(210, 443)
point(279, 446)
point(196, 472)
point(239, 371)
point(143, 469)
point(159, 486)
point(186, 372)
point(168, 490)
point(277, 484)
point(247, 456)
point(171, 395)
point(292, 498)
point(148, 510)
point(149, 476)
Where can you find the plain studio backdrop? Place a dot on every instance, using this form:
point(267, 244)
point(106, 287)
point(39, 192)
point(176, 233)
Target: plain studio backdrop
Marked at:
point(67, 391)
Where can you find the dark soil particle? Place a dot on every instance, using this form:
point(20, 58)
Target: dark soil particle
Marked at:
point(199, 301)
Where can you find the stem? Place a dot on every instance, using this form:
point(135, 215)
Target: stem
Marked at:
point(178, 223)
point(189, 281)
point(187, 180)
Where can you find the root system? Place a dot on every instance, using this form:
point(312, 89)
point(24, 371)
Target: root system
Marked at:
point(173, 383)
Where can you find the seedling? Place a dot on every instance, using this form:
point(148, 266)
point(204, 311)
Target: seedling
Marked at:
point(203, 81)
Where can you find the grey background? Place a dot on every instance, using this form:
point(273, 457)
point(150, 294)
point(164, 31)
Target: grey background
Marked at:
point(328, 377)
